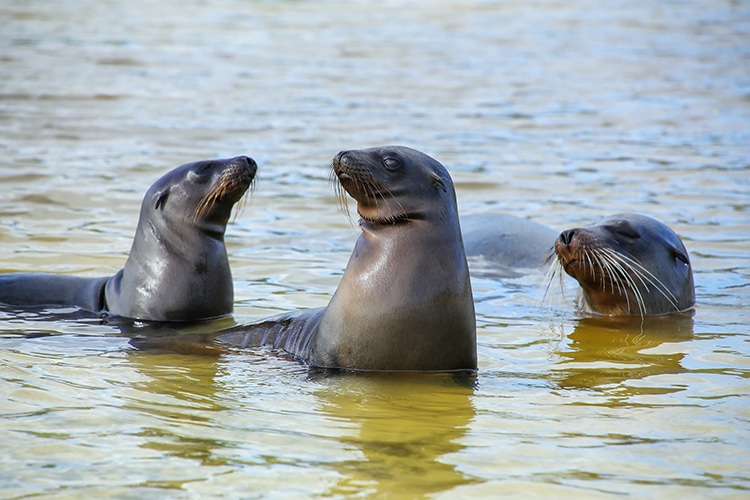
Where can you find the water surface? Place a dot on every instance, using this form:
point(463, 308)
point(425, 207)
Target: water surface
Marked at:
point(559, 112)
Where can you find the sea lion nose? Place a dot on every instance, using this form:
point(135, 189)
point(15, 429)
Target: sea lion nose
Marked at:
point(247, 161)
point(344, 157)
point(341, 162)
point(247, 164)
point(566, 237)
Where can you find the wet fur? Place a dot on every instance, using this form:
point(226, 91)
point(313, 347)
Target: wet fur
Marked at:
point(404, 303)
point(603, 262)
point(177, 268)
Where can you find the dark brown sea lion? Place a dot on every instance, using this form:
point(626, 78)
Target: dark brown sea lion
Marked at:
point(404, 302)
point(627, 264)
point(177, 269)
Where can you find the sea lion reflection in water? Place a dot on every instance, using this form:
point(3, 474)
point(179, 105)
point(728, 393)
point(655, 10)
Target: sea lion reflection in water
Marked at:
point(626, 264)
point(177, 269)
point(404, 302)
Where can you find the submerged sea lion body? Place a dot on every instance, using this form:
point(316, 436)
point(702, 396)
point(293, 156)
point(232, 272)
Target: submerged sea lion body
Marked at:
point(627, 264)
point(177, 269)
point(507, 240)
point(404, 302)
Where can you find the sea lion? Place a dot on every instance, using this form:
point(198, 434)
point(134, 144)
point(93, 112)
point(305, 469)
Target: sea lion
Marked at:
point(626, 264)
point(506, 240)
point(404, 302)
point(177, 269)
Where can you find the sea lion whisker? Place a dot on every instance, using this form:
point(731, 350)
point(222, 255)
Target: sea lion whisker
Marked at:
point(401, 213)
point(592, 269)
point(616, 259)
point(557, 270)
point(594, 256)
point(608, 271)
point(211, 202)
point(549, 276)
point(625, 282)
point(561, 280)
point(618, 275)
point(390, 218)
point(587, 260)
point(375, 192)
point(342, 200)
point(401, 208)
point(227, 183)
point(208, 201)
point(240, 207)
point(554, 270)
point(362, 184)
point(631, 274)
point(646, 276)
point(372, 193)
point(631, 284)
point(341, 197)
point(640, 301)
point(594, 260)
point(203, 204)
point(243, 201)
point(367, 186)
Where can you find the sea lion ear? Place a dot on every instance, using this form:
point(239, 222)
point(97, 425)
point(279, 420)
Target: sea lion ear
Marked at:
point(439, 182)
point(161, 199)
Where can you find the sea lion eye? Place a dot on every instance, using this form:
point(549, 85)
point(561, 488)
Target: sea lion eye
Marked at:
point(200, 173)
point(627, 230)
point(680, 256)
point(391, 163)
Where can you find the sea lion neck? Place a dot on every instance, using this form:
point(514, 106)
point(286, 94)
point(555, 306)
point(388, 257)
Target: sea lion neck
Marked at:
point(214, 231)
point(379, 224)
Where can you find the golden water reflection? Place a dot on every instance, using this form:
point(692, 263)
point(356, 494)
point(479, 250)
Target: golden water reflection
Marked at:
point(406, 430)
point(603, 351)
point(393, 433)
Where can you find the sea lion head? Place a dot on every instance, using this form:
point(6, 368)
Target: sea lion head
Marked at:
point(388, 183)
point(627, 264)
point(201, 193)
